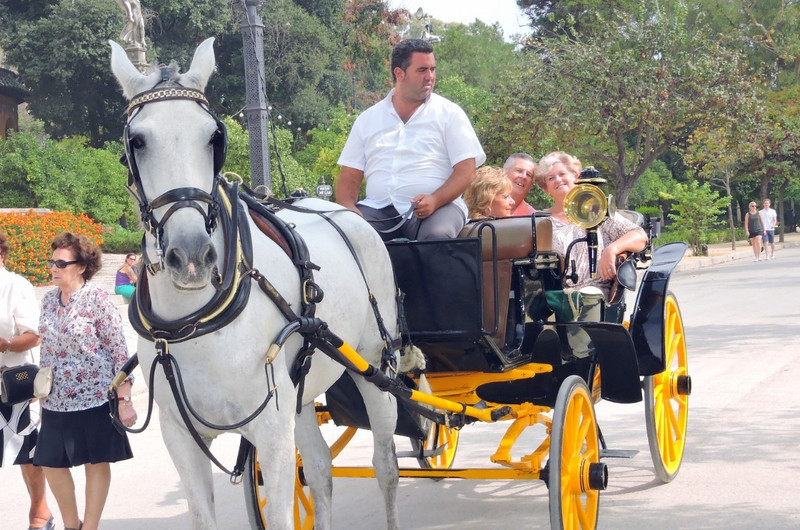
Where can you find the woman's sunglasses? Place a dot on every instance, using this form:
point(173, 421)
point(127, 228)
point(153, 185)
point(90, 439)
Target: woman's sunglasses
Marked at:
point(60, 263)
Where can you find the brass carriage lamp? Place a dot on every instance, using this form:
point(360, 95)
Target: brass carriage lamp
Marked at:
point(587, 206)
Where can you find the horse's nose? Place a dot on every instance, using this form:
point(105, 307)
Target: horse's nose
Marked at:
point(203, 258)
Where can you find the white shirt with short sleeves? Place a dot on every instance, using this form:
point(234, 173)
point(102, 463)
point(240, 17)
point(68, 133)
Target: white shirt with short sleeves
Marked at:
point(401, 160)
point(19, 313)
point(769, 218)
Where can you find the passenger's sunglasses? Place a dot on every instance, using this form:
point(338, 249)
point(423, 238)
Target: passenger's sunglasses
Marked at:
point(60, 263)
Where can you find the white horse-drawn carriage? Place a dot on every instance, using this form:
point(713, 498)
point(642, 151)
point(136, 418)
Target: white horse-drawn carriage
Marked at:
point(255, 307)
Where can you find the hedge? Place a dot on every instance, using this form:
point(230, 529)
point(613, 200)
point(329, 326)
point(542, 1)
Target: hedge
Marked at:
point(30, 234)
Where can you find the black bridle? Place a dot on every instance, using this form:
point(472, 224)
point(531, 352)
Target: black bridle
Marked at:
point(179, 197)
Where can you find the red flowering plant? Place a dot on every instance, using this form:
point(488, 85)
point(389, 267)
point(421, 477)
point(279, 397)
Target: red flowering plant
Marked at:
point(30, 234)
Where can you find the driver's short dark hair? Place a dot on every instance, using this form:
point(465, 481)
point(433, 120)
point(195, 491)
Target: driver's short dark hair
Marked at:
point(401, 55)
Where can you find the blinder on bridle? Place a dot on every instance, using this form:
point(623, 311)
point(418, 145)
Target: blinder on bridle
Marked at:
point(178, 197)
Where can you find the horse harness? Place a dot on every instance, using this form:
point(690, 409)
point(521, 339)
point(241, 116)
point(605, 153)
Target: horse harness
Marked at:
point(232, 292)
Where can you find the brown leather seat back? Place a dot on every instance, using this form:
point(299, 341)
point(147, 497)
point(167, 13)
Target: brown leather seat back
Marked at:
point(514, 236)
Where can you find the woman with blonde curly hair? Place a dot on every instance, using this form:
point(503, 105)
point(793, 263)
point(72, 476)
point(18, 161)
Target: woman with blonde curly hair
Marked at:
point(489, 194)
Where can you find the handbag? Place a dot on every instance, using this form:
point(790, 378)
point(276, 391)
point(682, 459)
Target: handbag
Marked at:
point(23, 383)
point(16, 383)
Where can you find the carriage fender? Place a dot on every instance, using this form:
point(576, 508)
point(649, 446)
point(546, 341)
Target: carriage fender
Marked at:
point(647, 319)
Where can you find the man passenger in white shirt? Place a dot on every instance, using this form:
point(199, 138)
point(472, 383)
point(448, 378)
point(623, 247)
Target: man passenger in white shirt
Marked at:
point(417, 151)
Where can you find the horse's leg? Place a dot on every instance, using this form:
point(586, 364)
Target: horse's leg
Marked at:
point(272, 434)
point(316, 465)
point(194, 469)
point(382, 412)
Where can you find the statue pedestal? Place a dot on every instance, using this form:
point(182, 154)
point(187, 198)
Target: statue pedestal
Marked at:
point(137, 56)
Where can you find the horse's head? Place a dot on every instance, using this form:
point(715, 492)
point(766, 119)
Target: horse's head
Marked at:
point(175, 148)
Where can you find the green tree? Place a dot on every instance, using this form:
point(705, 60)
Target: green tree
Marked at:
point(573, 17)
point(476, 53)
point(62, 57)
point(623, 99)
point(696, 212)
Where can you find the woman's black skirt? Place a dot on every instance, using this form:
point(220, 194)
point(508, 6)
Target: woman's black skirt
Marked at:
point(68, 439)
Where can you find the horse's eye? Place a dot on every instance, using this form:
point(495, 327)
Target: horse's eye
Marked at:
point(137, 142)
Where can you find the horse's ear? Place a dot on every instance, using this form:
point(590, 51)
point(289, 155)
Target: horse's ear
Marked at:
point(128, 76)
point(202, 65)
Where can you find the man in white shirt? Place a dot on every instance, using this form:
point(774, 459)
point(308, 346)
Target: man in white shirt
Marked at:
point(769, 218)
point(417, 151)
point(519, 169)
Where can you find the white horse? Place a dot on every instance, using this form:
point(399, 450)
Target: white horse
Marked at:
point(173, 146)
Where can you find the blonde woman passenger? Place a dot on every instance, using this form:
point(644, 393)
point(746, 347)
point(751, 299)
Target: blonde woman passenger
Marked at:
point(489, 194)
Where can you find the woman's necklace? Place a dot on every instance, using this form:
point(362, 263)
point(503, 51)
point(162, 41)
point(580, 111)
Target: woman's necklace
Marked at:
point(60, 292)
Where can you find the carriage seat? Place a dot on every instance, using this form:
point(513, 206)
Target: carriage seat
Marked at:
point(515, 236)
point(516, 240)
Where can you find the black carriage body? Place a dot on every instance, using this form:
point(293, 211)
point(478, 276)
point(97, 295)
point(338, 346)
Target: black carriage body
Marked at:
point(477, 304)
point(647, 320)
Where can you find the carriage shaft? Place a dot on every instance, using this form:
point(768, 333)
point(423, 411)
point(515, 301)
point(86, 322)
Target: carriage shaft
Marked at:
point(465, 473)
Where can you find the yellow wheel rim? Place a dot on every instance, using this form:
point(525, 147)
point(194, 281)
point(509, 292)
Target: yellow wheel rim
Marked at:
point(668, 404)
point(574, 447)
point(444, 441)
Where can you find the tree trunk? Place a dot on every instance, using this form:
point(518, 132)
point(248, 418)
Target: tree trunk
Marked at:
point(779, 199)
point(727, 183)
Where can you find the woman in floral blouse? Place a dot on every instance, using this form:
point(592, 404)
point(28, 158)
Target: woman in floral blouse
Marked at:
point(83, 340)
point(556, 174)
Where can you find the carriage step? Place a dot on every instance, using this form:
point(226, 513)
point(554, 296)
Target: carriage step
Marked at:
point(426, 454)
point(618, 453)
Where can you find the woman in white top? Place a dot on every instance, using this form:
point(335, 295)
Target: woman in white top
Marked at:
point(19, 319)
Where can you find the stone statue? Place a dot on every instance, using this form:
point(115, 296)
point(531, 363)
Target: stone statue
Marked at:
point(133, 32)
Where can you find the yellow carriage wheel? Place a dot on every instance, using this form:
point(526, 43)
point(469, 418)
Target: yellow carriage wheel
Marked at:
point(666, 398)
point(575, 474)
point(442, 441)
point(256, 501)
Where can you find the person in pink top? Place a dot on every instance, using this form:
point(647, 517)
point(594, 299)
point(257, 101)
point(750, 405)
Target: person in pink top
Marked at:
point(519, 169)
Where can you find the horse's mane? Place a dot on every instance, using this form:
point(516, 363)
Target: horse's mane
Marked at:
point(172, 69)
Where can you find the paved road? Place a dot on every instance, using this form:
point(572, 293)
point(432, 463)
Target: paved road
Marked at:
point(742, 321)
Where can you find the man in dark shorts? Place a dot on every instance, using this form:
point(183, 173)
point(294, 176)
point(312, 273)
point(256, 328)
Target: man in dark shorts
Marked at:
point(769, 218)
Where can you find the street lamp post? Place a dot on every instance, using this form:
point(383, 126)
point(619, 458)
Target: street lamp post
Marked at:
point(256, 97)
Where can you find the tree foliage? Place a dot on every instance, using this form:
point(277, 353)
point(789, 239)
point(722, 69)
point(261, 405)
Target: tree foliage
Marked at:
point(622, 100)
point(61, 54)
point(695, 212)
